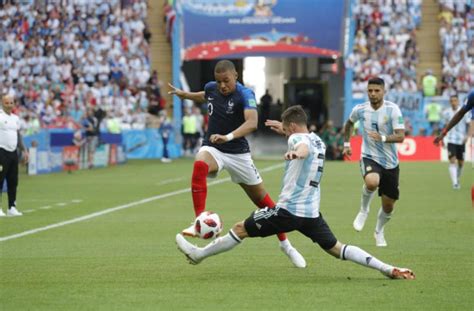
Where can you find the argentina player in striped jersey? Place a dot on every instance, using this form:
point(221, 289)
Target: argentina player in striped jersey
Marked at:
point(232, 115)
point(382, 126)
point(456, 139)
point(298, 205)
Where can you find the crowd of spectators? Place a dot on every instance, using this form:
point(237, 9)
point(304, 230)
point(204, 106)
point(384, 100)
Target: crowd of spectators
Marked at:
point(59, 60)
point(385, 43)
point(456, 35)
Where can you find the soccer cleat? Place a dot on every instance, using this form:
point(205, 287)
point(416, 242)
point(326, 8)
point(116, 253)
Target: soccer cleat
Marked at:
point(187, 249)
point(359, 221)
point(456, 186)
point(401, 274)
point(2, 214)
point(190, 231)
point(380, 239)
point(12, 211)
point(296, 258)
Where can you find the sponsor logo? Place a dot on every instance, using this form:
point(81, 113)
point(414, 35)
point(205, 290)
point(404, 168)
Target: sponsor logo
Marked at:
point(400, 120)
point(368, 259)
point(408, 147)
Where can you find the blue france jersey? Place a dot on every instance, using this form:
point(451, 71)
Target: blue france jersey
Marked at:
point(300, 193)
point(470, 104)
point(226, 113)
point(458, 133)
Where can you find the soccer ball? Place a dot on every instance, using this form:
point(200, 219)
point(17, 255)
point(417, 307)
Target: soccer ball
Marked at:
point(208, 225)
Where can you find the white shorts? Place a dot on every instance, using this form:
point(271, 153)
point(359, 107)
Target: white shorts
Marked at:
point(240, 166)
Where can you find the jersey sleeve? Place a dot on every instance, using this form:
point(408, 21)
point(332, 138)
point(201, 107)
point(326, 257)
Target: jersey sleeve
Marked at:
point(295, 140)
point(398, 123)
point(208, 87)
point(469, 105)
point(354, 116)
point(249, 100)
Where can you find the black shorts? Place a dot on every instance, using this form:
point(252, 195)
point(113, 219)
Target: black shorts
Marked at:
point(456, 151)
point(269, 221)
point(388, 177)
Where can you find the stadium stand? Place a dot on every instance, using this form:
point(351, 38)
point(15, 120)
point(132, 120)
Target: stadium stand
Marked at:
point(456, 36)
point(385, 43)
point(59, 59)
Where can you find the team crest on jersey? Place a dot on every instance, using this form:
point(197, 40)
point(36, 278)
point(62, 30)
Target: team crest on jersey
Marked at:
point(1, 168)
point(369, 168)
point(230, 107)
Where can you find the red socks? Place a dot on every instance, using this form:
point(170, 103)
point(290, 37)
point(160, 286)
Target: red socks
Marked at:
point(268, 202)
point(199, 186)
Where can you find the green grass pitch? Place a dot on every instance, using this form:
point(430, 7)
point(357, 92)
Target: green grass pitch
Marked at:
point(128, 260)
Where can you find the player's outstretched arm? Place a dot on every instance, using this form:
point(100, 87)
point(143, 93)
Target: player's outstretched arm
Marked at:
point(275, 126)
point(454, 120)
point(194, 96)
point(347, 151)
point(300, 152)
point(249, 126)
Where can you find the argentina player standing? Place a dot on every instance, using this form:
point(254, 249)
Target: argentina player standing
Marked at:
point(232, 115)
point(382, 126)
point(456, 140)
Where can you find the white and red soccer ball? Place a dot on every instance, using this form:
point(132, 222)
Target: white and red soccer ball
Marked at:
point(208, 225)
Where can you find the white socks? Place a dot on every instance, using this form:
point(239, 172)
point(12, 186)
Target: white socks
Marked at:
point(453, 173)
point(459, 172)
point(367, 196)
point(219, 245)
point(285, 244)
point(357, 255)
point(382, 219)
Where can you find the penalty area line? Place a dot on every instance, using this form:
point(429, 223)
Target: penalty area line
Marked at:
point(118, 208)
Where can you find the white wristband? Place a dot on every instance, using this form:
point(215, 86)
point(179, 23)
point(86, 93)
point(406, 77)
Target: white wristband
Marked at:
point(347, 144)
point(229, 136)
point(384, 138)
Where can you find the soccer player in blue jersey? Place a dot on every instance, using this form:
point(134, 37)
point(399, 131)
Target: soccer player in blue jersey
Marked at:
point(298, 204)
point(232, 115)
point(382, 126)
point(456, 139)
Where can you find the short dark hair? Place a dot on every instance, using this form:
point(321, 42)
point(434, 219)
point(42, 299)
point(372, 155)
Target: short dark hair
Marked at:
point(455, 95)
point(294, 114)
point(377, 81)
point(224, 65)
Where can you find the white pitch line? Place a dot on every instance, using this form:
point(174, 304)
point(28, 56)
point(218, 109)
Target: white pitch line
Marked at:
point(45, 207)
point(118, 208)
point(169, 181)
point(61, 204)
point(28, 211)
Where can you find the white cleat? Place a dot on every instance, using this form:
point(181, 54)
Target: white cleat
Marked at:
point(359, 221)
point(190, 231)
point(2, 214)
point(187, 249)
point(296, 258)
point(380, 239)
point(12, 211)
point(401, 274)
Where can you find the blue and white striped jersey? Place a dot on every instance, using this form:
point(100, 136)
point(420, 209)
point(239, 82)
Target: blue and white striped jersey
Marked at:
point(385, 120)
point(458, 133)
point(300, 193)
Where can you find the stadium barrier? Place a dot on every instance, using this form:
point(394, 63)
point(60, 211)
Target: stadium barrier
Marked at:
point(413, 148)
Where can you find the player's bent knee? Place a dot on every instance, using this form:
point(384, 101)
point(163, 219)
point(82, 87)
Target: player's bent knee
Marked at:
point(239, 230)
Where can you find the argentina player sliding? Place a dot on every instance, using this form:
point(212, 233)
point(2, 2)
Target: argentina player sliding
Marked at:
point(382, 126)
point(298, 204)
point(232, 115)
